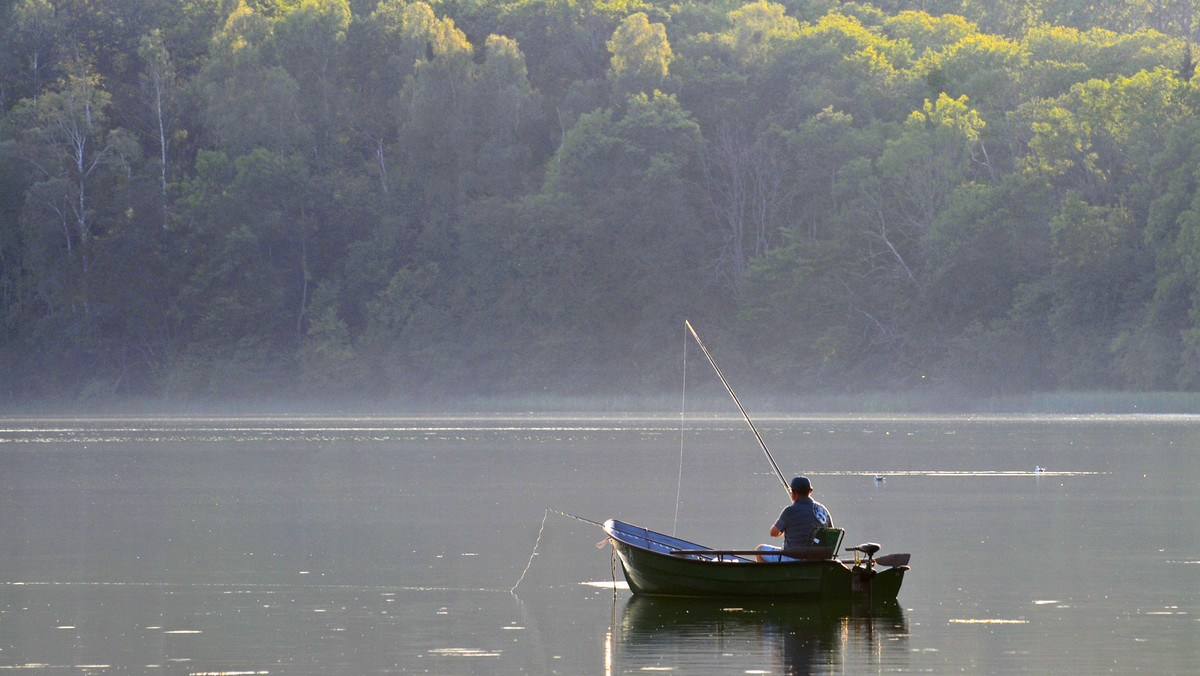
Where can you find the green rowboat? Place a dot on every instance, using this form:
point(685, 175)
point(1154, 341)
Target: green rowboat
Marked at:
point(661, 565)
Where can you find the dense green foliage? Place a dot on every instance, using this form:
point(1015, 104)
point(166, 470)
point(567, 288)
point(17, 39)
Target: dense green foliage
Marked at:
point(379, 197)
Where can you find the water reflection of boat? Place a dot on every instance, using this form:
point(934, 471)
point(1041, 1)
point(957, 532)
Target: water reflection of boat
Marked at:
point(790, 637)
point(662, 565)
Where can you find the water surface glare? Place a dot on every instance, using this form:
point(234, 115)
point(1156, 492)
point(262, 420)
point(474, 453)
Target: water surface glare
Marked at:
point(363, 545)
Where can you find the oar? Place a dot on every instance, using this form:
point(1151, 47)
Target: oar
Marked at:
point(749, 422)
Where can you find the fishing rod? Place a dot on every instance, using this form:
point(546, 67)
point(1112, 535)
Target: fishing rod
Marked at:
point(745, 415)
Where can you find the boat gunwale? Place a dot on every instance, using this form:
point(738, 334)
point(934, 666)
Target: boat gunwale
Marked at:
point(705, 555)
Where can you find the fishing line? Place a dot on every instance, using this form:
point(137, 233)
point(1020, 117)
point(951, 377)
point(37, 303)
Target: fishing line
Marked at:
point(577, 518)
point(537, 543)
point(682, 411)
point(532, 554)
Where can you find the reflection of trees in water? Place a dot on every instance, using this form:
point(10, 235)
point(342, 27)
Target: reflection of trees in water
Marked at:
point(784, 637)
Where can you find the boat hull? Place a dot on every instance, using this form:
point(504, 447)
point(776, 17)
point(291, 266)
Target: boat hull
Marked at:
point(650, 568)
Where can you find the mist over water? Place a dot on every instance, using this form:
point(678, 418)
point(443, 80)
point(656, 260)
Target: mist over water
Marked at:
point(301, 545)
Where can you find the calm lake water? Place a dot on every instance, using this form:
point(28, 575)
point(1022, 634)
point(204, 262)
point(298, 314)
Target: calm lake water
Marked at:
point(364, 546)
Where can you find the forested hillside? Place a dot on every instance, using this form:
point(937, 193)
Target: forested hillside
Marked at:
point(326, 198)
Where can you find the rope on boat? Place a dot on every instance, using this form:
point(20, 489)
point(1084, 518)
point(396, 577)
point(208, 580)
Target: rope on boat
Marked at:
point(613, 564)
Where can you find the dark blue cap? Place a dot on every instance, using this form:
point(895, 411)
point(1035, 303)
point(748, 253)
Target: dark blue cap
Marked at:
point(801, 485)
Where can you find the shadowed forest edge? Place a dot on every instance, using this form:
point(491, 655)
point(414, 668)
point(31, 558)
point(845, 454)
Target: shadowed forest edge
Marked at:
point(865, 204)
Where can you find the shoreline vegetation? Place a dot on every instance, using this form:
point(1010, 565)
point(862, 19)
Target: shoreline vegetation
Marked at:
point(515, 205)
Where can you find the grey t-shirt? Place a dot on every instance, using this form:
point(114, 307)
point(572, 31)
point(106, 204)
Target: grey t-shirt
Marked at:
point(799, 519)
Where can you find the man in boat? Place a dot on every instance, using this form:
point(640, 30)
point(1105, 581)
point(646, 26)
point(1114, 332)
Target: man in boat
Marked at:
point(798, 520)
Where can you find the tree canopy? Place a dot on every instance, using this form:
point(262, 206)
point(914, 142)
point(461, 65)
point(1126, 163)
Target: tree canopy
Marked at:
point(383, 198)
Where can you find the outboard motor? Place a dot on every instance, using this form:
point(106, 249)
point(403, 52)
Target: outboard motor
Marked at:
point(863, 571)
